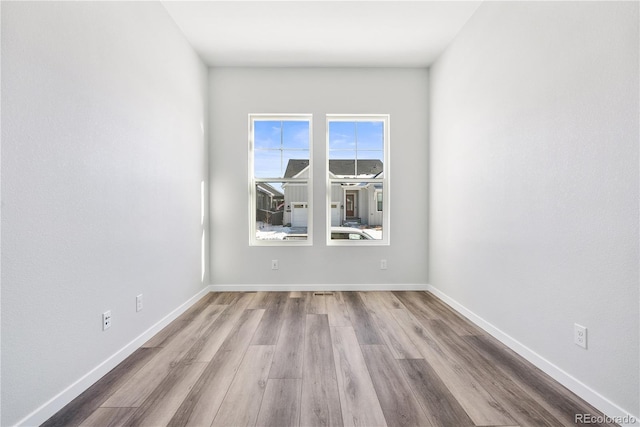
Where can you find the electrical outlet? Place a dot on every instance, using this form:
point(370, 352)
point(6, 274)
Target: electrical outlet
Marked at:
point(106, 320)
point(274, 264)
point(383, 264)
point(580, 335)
point(139, 303)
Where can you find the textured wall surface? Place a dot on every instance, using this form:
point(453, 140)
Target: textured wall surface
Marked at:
point(534, 182)
point(103, 153)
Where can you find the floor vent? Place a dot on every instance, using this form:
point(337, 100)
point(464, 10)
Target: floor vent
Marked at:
point(322, 293)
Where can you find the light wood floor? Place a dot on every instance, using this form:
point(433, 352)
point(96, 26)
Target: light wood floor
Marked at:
point(348, 358)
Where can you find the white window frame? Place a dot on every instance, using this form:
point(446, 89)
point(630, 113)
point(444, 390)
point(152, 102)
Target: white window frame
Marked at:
point(253, 240)
point(385, 180)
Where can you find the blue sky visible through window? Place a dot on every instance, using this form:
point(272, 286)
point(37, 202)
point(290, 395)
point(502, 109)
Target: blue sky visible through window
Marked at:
point(275, 142)
point(356, 140)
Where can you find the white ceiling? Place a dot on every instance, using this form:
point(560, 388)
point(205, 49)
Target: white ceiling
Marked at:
point(320, 33)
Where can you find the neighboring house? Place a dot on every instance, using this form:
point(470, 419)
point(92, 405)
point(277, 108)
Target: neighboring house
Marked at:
point(359, 203)
point(269, 204)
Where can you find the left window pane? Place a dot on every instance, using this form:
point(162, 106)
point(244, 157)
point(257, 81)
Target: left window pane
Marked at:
point(279, 156)
point(282, 211)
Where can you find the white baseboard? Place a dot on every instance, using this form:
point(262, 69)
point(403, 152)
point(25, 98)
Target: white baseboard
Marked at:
point(318, 287)
point(600, 402)
point(58, 402)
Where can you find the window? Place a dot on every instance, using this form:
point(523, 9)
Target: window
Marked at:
point(280, 177)
point(357, 179)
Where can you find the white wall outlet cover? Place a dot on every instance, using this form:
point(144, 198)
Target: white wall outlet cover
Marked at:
point(106, 320)
point(580, 335)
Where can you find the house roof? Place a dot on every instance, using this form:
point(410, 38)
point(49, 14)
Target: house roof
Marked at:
point(266, 188)
point(337, 167)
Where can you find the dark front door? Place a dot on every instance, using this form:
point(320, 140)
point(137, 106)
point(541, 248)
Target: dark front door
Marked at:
point(351, 205)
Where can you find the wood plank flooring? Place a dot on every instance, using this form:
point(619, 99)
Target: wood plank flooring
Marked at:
point(335, 359)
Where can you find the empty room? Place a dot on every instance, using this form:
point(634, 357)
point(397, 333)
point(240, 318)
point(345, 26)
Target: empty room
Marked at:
point(320, 213)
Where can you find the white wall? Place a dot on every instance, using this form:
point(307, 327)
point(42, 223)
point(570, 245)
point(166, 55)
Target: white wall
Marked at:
point(534, 183)
point(103, 153)
point(236, 92)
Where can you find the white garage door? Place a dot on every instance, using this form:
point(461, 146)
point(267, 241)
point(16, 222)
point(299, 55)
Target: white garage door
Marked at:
point(335, 214)
point(299, 214)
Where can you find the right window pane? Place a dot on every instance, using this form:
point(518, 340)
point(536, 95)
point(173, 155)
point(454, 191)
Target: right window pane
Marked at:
point(358, 174)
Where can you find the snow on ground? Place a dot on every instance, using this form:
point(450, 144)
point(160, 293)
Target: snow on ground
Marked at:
point(272, 232)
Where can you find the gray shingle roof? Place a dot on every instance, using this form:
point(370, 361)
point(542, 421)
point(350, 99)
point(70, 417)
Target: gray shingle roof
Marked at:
point(337, 167)
point(263, 186)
